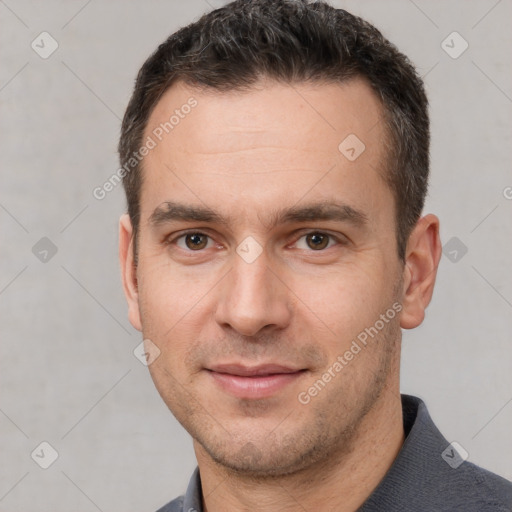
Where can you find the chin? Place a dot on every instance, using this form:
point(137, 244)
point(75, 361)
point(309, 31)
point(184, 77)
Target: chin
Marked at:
point(264, 458)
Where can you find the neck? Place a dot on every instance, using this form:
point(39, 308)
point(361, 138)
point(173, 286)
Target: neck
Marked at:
point(341, 483)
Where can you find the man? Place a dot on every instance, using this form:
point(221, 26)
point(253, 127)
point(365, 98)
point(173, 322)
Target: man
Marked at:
point(276, 159)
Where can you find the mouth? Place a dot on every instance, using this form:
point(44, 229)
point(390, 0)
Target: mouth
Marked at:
point(255, 382)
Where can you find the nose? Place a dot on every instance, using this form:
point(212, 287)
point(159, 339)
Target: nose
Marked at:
point(253, 298)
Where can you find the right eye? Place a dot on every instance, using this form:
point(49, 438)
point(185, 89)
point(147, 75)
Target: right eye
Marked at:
point(193, 241)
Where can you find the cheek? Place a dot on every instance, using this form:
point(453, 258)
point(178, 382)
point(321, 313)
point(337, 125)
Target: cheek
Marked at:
point(157, 297)
point(174, 305)
point(344, 303)
point(168, 293)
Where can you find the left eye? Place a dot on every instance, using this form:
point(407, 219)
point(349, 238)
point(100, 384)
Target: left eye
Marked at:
point(315, 240)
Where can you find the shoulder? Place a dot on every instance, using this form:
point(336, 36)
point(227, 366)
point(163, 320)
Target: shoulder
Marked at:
point(477, 489)
point(430, 474)
point(463, 486)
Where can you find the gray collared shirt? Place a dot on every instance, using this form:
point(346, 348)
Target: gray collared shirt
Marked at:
point(428, 475)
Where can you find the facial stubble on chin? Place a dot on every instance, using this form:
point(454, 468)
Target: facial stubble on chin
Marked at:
point(321, 442)
point(329, 434)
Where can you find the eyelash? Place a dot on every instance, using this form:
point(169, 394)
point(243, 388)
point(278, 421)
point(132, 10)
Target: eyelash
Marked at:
point(174, 240)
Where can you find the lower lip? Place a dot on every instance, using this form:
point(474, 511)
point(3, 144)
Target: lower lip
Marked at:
point(254, 387)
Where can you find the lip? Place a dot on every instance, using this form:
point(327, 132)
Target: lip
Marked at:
point(255, 382)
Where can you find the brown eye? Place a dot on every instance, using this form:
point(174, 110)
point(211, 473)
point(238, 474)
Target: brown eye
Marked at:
point(196, 241)
point(317, 241)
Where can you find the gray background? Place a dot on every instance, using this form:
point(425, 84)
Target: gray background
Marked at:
point(68, 374)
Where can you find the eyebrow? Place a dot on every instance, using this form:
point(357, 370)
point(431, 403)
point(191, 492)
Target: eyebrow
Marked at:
point(171, 211)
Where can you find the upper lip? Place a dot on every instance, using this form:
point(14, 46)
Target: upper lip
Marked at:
point(250, 371)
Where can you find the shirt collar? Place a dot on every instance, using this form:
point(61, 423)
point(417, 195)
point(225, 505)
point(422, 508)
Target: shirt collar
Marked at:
point(193, 499)
point(419, 460)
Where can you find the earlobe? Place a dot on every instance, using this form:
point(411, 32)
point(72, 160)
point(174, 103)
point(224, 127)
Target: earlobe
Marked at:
point(128, 270)
point(422, 260)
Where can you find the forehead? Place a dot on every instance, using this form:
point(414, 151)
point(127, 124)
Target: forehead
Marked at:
point(267, 110)
point(271, 143)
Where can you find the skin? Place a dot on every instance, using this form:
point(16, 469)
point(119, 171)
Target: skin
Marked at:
point(246, 156)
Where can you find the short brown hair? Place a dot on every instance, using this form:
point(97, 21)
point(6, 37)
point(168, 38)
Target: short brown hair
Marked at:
point(290, 41)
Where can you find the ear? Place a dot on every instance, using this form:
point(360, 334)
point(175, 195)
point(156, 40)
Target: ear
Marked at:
point(422, 257)
point(128, 270)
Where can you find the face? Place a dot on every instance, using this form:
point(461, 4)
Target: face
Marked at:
point(266, 252)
